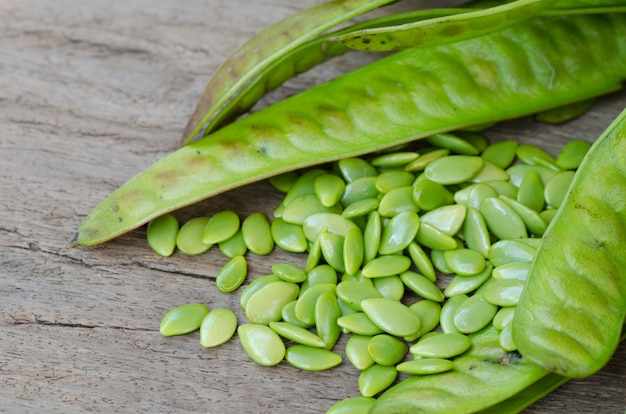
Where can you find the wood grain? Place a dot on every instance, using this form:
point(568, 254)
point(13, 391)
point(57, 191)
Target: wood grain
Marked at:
point(90, 94)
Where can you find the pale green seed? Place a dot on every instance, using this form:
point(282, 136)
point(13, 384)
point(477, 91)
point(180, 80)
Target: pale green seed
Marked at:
point(189, 238)
point(506, 339)
point(394, 159)
point(235, 246)
point(304, 184)
point(354, 168)
point(390, 287)
point(323, 273)
point(461, 195)
point(266, 304)
point(462, 285)
point(300, 208)
point(288, 314)
point(464, 262)
point(357, 351)
point(357, 277)
point(425, 366)
point(533, 155)
point(479, 193)
point(297, 334)
point(504, 188)
point(353, 293)
point(422, 261)
point(514, 270)
point(557, 188)
point(476, 233)
point(490, 172)
point(446, 345)
point(327, 311)
point(257, 234)
point(308, 358)
point(434, 238)
point(428, 312)
point(572, 154)
point(428, 195)
point(352, 405)
point(420, 163)
point(504, 317)
point(422, 286)
point(391, 316)
point(502, 220)
point(329, 189)
point(386, 349)
point(376, 378)
point(399, 232)
point(283, 182)
point(531, 191)
point(360, 208)
point(447, 219)
point(222, 226)
point(305, 306)
point(359, 189)
point(288, 236)
point(517, 173)
point(504, 292)
point(333, 223)
point(359, 323)
point(396, 201)
point(501, 153)
point(548, 215)
point(453, 143)
point(371, 236)
point(478, 141)
point(315, 253)
point(439, 262)
point(390, 180)
point(183, 319)
point(255, 286)
point(386, 266)
point(531, 218)
point(289, 272)
point(217, 327)
point(474, 314)
point(331, 245)
point(353, 251)
point(161, 234)
point(448, 311)
point(261, 343)
point(232, 274)
point(509, 251)
point(453, 169)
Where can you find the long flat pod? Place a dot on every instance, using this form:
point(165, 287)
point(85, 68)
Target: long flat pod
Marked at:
point(571, 312)
point(529, 67)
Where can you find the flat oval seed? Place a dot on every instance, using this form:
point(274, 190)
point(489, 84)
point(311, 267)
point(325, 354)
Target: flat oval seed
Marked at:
point(327, 311)
point(355, 168)
point(235, 246)
point(371, 236)
point(453, 169)
point(422, 261)
point(502, 220)
point(464, 262)
point(504, 188)
point(315, 253)
point(308, 358)
point(447, 313)
point(422, 286)
point(503, 317)
point(376, 378)
point(360, 208)
point(508, 251)
point(305, 184)
point(531, 191)
point(289, 272)
point(320, 274)
point(297, 334)
point(439, 262)
point(517, 173)
point(434, 238)
point(386, 349)
point(386, 266)
point(334, 223)
point(462, 285)
point(531, 218)
point(474, 314)
point(478, 193)
point(390, 287)
point(399, 232)
point(453, 143)
point(353, 251)
point(501, 153)
point(189, 238)
point(217, 327)
point(359, 323)
point(428, 195)
point(420, 163)
point(302, 207)
point(512, 271)
point(161, 234)
point(506, 339)
point(396, 201)
point(305, 306)
point(332, 250)
point(352, 405)
point(232, 274)
point(283, 182)
point(266, 304)
point(255, 286)
point(357, 351)
point(425, 366)
point(572, 154)
point(557, 188)
point(391, 316)
point(504, 292)
point(429, 312)
point(475, 232)
point(257, 234)
point(446, 345)
point(548, 215)
point(359, 189)
point(288, 236)
point(329, 189)
point(490, 172)
point(394, 159)
point(183, 319)
point(389, 180)
point(353, 293)
point(447, 219)
point(532, 154)
point(288, 313)
point(478, 141)
point(222, 226)
point(261, 344)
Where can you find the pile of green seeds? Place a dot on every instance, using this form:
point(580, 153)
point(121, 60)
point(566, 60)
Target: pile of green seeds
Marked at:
point(381, 234)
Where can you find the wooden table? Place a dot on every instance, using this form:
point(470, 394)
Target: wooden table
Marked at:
point(90, 94)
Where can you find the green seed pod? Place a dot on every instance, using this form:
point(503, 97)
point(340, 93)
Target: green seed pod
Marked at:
point(161, 234)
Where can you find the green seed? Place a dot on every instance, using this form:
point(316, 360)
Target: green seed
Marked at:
point(504, 292)
point(531, 218)
point(360, 208)
point(332, 250)
point(475, 232)
point(390, 180)
point(518, 172)
point(425, 366)
point(318, 275)
point(334, 223)
point(509, 251)
point(222, 226)
point(302, 207)
point(512, 271)
point(353, 251)
point(189, 238)
point(448, 310)
point(453, 169)
point(557, 188)
point(446, 345)
point(315, 253)
point(399, 232)
point(502, 220)
point(261, 344)
point(359, 189)
point(283, 182)
point(288, 236)
point(376, 378)
point(305, 307)
point(428, 312)
point(506, 338)
point(329, 189)
point(501, 153)
point(439, 262)
point(420, 163)
point(548, 215)
point(257, 234)
point(255, 286)
point(312, 359)
point(297, 334)
point(235, 246)
point(386, 349)
point(572, 154)
point(464, 262)
point(396, 201)
point(394, 159)
point(503, 317)
point(305, 184)
point(355, 168)
point(504, 188)
point(183, 319)
point(478, 193)
point(289, 272)
point(422, 286)
point(353, 293)
point(421, 261)
point(357, 351)
point(434, 238)
point(359, 323)
point(288, 314)
point(391, 316)
point(352, 405)
point(533, 155)
point(490, 172)
point(474, 314)
point(217, 327)
point(161, 234)
point(478, 141)
point(531, 191)
point(386, 266)
point(462, 285)
point(327, 311)
point(453, 143)
point(266, 304)
point(390, 287)
point(428, 195)
point(447, 219)
point(232, 274)
point(371, 236)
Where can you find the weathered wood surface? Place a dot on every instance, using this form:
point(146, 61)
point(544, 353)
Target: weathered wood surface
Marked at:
point(90, 94)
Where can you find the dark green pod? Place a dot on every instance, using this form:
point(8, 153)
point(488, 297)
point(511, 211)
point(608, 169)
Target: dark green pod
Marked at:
point(529, 67)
